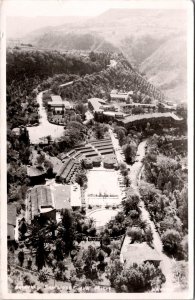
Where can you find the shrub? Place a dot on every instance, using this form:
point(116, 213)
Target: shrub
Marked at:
point(171, 240)
point(43, 277)
point(28, 280)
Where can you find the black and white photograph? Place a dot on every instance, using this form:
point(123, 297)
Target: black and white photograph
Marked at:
point(96, 149)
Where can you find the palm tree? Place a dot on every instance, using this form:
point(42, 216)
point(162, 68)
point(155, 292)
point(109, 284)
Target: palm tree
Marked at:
point(51, 227)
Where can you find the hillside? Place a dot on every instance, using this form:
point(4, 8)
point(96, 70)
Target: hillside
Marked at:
point(73, 41)
point(145, 37)
point(166, 68)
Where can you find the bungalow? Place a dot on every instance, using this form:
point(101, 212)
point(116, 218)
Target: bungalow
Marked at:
point(11, 222)
point(139, 253)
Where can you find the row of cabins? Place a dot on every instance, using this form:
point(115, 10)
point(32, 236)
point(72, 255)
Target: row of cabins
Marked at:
point(68, 170)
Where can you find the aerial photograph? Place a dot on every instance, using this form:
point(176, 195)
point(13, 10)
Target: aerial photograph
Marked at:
point(97, 148)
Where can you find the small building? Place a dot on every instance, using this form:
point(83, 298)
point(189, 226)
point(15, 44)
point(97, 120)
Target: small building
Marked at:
point(36, 175)
point(97, 161)
point(11, 222)
point(120, 96)
point(58, 105)
point(88, 163)
point(139, 253)
point(109, 161)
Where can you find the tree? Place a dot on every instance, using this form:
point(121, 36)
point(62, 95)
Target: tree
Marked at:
point(40, 159)
point(121, 136)
point(40, 253)
point(43, 275)
point(148, 235)
point(59, 247)
point(68, 229)
point(135, 234)
point(81, 178)
point(113, 270)
point(171, 240)
point(127, 181)
point(101, 256)
point(129, 151)
point(23, 227)
point(21, 257)
point(131, 202)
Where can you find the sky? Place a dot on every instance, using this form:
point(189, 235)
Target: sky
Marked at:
point(25, 16)
point(77, 8)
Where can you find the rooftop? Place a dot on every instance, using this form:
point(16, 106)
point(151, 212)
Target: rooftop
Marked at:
point(138, 253)
point(56, 98)
point(133, 118)
point(62, 196)
point(41, 197)
point(35, 171)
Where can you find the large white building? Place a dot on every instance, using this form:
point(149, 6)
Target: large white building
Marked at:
point(120, 96)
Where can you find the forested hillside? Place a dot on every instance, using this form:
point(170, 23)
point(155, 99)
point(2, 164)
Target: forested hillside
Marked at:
point(27, 69)
point(25, 72)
